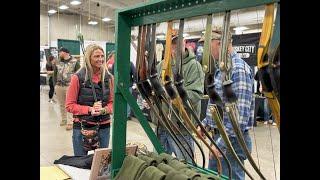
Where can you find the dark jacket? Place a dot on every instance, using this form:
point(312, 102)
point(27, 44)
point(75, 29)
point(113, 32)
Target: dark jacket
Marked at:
point(86, 96)
point(84, 162)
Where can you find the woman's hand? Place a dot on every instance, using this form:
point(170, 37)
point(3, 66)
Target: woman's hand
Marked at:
point(94, 111)
point(97, 105)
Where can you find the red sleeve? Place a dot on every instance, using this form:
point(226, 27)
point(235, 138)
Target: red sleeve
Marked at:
point(110, 102)
point(72, 98)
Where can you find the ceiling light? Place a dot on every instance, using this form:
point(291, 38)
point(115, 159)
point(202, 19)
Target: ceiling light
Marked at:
point(252, 31)
point(106, 19)
point(162, 33)
point(75, 3)
point(93, 22)
point(241, 28)
point(63, 7)
point(185, 34)
point(161, 36)
point(193, 37)
point(52, 11)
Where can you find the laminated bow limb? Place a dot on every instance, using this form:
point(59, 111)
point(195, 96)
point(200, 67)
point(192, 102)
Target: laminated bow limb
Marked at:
point(266, 54)
point(158, 88)
point(161, 95)
point(156, 97)
point(144, 86)
point(233, 114)
point(183, 101)
point(231, 98)
point(218, 120)
point(206, 58)
point(177, 102)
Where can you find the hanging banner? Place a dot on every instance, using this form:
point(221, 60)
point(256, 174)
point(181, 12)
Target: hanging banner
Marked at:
point(246, 46)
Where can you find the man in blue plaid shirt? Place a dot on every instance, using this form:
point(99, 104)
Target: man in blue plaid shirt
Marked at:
point(242, 77)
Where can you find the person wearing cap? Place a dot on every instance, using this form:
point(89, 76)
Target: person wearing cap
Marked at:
point(65, 67)
point(193, 84)
point(243, 79)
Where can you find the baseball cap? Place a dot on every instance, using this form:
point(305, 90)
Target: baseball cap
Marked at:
point(216, 34)
point(64, 50)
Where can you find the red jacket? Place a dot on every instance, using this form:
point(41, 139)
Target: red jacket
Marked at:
point(72, 97)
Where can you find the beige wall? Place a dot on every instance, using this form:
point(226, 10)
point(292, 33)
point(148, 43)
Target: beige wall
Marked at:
point(65, 28)
point(43, 29)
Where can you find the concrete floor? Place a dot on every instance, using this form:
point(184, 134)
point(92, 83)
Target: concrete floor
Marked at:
point(55, 141)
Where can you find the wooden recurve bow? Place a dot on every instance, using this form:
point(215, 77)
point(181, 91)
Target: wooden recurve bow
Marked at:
point(231, 105)
point(177, 101)
point(264, 58)
point(217, 117)
point(145, 89)
point(162, 96)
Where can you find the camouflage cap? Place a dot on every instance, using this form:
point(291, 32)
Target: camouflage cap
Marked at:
point(62, 49)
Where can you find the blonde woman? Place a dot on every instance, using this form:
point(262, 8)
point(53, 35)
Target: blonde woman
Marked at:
point(89, 99)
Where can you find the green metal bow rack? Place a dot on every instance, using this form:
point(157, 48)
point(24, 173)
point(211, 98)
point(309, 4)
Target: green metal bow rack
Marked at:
point(155, 11)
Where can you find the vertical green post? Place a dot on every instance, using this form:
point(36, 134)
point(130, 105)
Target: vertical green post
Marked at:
point(122, 96)
point(143, 121)
point(122, 67)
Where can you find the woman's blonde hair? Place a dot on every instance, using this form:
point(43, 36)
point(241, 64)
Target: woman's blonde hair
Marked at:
point(87, 63)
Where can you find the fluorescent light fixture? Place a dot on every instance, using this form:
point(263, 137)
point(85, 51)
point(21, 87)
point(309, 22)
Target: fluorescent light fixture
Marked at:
point(252, 31)
point(203, 32)
point(63, 7)
point(193, 37)
point(75, 3)
point(52, 11)
point(241, 28)
point(161, 36)
point(106, 19)
point(237, 32)
point(93, 22)
point(185, 34)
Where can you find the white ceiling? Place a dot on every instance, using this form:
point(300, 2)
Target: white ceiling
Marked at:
point(96, 9)
point(249, 17)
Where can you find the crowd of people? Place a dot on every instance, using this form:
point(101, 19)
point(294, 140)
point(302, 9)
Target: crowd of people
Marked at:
point(85, 97)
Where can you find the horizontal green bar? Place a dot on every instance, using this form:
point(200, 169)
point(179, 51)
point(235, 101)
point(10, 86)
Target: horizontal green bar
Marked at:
point(162, 11)
point(140, 6)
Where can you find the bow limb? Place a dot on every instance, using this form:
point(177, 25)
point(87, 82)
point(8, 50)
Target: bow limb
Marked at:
point(217, 118)
point(145, 88)
point(178, 103)
point(166, 67)
point(207, 46)
point(266, 44)
point(233, 114)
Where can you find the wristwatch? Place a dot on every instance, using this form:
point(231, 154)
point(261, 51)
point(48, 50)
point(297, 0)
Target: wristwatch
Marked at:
point(103, 111)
